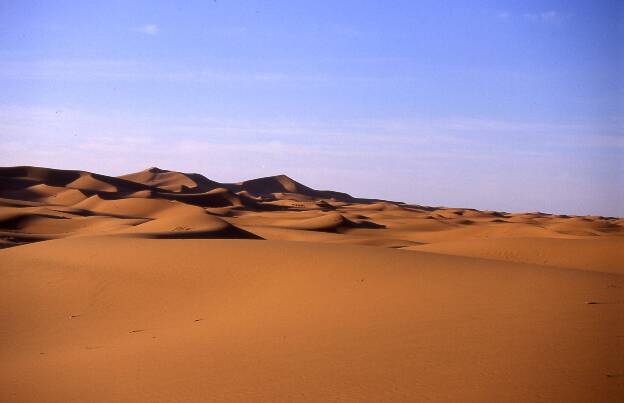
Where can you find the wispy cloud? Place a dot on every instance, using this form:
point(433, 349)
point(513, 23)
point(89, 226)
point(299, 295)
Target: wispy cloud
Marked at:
point(550, 16)
point(436, 155)
point(545, 17)
point(346, 30)
point(230, 31)
point(130, 70)
point(503, 15)
point(148, 29)
point(66, 125)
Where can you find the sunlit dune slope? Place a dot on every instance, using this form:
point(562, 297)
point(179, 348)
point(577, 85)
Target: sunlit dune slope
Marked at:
point(105, 319)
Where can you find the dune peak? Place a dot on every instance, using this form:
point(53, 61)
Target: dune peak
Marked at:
point(156, 170)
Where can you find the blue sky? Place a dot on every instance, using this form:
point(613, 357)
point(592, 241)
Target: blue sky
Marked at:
point(509, 105)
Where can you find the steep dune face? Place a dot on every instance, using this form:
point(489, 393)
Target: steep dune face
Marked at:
point(135, 320)
point(268, 187)
point(325, 222)
point(25, 221)
point(271, 186)
point(67, 197)
point(44, 224)
point(188, 226)
point(48, 176)
point(172, 181)
point(26, 182)
point(218, 197)
point(89, 182)
point(137, 207)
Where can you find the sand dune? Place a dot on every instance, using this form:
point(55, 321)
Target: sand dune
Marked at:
point(189, 225)
point(136, 207)
point(325, 222)
point(16, 177)
point(606, 255)
point(197, 320)
point(166, 286)
point(173, 181)
point(270, 187)
point(67, 197)
point(276, 206)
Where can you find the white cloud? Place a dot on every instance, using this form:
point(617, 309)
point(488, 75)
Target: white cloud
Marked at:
point(148, 29)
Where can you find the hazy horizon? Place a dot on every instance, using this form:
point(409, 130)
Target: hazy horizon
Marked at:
point(514, 106)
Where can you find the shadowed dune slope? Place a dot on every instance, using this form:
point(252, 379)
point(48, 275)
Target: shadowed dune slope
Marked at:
point(189, 225)
point(271, 187)
point(136, 207)
point(109, 319)
point(281, 184)
point(278, 206)
point(171, 180)
point(326, 222)
point(14, 180)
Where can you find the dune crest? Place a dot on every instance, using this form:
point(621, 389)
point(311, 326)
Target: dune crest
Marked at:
point(43, 203)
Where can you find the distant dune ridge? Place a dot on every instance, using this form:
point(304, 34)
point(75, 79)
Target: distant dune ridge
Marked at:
point(169, 286)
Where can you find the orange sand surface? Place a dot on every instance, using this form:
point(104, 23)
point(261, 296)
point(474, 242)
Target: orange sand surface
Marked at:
point(162, 286)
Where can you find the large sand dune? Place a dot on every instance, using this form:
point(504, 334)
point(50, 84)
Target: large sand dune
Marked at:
point(163, 286)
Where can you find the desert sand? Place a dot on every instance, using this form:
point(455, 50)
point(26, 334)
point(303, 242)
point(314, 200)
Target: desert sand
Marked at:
point(162, 286)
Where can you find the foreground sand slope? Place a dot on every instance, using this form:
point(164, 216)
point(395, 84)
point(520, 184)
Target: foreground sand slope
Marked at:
point(103, 319)
point(598, 254)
